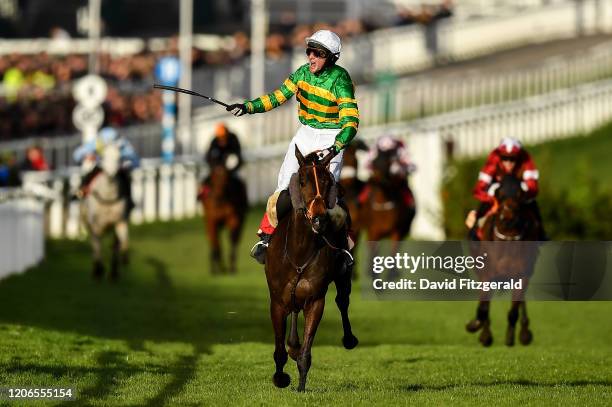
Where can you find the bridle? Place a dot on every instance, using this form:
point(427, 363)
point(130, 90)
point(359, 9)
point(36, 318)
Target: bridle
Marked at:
point(504, 237)
point(308, 212)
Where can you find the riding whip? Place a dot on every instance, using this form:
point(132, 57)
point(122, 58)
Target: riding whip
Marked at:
point(189, 92)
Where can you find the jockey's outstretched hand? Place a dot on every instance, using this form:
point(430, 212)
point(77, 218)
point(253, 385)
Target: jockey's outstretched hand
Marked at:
point(237, 109)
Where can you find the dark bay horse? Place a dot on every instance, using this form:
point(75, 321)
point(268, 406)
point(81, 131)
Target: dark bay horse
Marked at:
point(225, 204)
point(509, 256)
point(386, 213)
point(303, 258)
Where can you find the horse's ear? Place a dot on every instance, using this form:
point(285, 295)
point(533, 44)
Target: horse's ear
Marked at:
point(294, 192)
point(299, 156)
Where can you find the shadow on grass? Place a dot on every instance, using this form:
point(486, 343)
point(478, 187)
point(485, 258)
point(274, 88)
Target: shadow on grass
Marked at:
point(110, 369)
point(516, 383)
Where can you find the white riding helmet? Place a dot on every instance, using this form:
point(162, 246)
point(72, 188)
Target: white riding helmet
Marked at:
point(328, 40)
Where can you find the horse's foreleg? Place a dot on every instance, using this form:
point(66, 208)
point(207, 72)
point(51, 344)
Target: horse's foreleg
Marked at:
point(121, 231)
point(512, 318)
point(293, 341)
point(525, 336)
point(114, 275)
point(279, 322)
point(482, 321)
point(96, 246)
point(312, 316)
point(343, 292)
point(235, 229)
point(215, 246)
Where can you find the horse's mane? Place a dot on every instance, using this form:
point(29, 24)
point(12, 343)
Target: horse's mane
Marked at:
point(510, 187)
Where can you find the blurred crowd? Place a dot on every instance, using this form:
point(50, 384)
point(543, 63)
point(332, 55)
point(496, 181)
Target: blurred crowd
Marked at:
point(36, 98)
point(10, 168)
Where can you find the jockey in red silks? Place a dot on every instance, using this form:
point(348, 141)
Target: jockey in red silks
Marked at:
point(508, 158)
point(401, 166)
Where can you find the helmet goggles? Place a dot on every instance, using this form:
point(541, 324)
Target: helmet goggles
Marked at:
point(317, 49)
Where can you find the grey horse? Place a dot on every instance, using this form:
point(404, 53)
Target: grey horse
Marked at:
point(104, 208)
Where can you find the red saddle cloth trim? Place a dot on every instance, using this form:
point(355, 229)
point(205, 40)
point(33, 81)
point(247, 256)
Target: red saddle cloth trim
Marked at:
point(364, 194)
point(265, 225)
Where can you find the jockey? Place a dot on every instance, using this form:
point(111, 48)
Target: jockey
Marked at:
point(327, 110)
point(88, 156)
point(400, 166)
point(508, 158)
point(224, 150)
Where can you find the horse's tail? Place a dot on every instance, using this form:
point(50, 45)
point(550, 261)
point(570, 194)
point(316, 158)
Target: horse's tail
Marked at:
point(294, 340)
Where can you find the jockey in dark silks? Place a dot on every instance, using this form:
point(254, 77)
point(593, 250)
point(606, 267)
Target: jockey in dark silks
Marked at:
point(392, 151)
point(224, 150)
point(88, 155)
point(508, 158)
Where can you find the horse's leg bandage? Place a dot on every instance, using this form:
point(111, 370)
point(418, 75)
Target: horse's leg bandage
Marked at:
point(271, 209)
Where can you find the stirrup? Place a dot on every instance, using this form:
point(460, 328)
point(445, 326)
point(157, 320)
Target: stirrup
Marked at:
point(258, 251)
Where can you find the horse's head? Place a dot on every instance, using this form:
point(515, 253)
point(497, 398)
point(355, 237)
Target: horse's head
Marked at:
point(510, 197)
point(219, 179)
point(313, 189)
point(381, 165)
point(350, 158)
point(111, 158)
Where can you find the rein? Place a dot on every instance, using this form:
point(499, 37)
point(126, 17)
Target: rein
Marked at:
point(309, 211)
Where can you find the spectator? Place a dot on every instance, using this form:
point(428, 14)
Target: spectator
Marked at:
point(34, 160)
point(9, 173)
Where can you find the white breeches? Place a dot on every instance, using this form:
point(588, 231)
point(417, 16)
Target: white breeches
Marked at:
point(308, 140)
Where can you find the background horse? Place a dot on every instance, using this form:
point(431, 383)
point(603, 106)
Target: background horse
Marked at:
point(384, 211)
point(104, 208)
point(225, 205)
point(513, 223)
point(352, 185)
point(303, 258)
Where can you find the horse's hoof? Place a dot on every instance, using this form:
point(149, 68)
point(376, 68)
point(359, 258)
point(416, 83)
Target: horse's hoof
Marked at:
point(281, 379)
point(301, 388)
point(294, 352)
point(473, 326)
point(525, 336)
point(510, 336)
point(350, 342)
point(486, 339)
point(125, 259)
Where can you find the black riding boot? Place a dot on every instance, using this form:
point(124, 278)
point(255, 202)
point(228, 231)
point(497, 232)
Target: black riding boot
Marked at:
point(347, 258)
point(258, 252)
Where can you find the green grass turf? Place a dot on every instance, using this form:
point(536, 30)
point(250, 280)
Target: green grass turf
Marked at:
point(169, 333)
